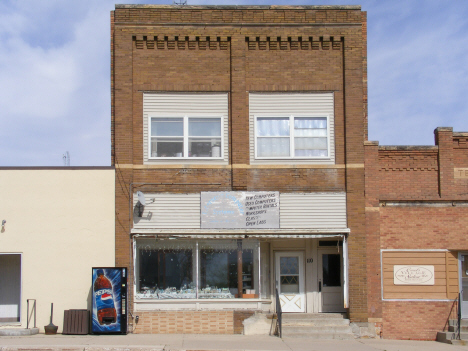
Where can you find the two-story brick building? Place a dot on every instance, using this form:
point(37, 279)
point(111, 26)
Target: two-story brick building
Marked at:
point(238, 144)
point(244, 174)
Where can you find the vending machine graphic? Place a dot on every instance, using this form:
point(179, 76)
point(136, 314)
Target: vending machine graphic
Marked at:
point(109, 290)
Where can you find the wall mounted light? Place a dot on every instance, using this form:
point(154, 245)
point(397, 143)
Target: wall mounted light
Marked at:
point(3, 225)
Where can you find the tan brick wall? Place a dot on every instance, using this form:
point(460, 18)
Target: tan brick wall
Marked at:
point(239, 317)
point(185, 322)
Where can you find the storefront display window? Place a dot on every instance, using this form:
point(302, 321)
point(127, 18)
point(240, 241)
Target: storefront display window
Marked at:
point(192, 269)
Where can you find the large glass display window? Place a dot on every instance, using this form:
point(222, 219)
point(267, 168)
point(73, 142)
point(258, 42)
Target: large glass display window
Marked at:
point(197, 269)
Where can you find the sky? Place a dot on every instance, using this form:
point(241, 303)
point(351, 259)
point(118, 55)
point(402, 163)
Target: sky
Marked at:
point(55, 74)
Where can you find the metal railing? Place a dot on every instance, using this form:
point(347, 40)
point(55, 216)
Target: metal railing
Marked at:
point(30, 313)
point(279, 315)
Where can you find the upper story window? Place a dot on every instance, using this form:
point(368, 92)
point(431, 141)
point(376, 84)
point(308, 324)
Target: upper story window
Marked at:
point(287, 128)
point(182, 137)
point(189, 128)
point(291, 137)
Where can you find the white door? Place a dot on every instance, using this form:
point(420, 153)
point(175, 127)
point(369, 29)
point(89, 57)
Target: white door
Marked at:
point(330, 266)
point(290, 281)
point(464, 284)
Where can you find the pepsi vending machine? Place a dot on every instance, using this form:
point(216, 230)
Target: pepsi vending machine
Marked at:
point(109, 314)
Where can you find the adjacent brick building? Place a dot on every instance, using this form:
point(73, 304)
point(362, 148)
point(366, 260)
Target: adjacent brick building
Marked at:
point(239, 138)
point(417, 216)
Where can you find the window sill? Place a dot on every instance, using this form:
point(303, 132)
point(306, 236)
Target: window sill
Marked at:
point(149, 305)
point(200, 301)
point(185, 158)
point(292, 158)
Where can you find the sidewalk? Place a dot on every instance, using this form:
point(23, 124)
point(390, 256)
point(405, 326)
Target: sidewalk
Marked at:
point(165, 342)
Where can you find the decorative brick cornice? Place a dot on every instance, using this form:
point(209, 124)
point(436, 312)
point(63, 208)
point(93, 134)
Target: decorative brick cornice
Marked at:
point(460, 140)
point(172, 42)
point(282, 42)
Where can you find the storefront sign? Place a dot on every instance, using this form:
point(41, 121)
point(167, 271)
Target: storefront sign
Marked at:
point(238, 209)
point(413, 275)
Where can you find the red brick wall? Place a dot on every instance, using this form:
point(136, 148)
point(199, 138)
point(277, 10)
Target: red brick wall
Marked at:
point(424, 227)
point(408, 173)
point(414, 202)
point(414, 320)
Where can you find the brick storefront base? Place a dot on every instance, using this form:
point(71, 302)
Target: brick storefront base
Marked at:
point(415, 320)
point(191, 322)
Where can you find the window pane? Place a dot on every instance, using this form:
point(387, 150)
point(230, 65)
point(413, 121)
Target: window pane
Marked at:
point(205, 127)
point(205, 147)
point(310, 122)
point(165, 270)
point(272, 126)
point(310, 132)
point(331, 266)
point(219, 269)
point(167, 127)
point(310, 143)
point(272, 147)
point(167, 147)
point(311, 153)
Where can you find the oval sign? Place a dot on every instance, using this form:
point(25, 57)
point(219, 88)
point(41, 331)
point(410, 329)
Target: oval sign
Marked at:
point(413, 275)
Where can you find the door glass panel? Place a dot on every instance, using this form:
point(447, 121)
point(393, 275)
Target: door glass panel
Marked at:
point(289, 274)
point(331, 267)
point(465, 277)
point(289, 284)
point(289, 265)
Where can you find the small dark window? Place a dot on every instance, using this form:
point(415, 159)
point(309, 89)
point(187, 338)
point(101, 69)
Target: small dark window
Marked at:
point(331, 269)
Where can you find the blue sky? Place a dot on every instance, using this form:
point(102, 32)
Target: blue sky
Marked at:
point(55, 69)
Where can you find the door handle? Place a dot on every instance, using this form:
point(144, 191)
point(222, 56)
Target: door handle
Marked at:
point(320, 286)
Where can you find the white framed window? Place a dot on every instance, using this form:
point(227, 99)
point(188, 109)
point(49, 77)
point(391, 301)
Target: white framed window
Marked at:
point(185, 137)
point(189, 128)
point(292, 137)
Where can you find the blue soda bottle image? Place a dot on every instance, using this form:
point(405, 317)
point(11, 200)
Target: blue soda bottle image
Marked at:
point(104, 298)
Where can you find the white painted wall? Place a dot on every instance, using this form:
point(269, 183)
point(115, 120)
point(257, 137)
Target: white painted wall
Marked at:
point(62, 222)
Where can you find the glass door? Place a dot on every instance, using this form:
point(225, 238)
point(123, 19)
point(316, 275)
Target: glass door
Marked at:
point(331, 281)
point(464, 284)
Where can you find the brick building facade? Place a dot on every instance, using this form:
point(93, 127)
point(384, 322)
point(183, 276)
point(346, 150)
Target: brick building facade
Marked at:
point(239, 138)
point(280, 93)
point(416, 215)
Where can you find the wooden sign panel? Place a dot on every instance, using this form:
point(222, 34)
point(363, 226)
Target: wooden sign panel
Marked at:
point(413, 275)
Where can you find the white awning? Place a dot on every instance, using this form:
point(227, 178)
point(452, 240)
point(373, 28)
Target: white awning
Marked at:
point(241, 233)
